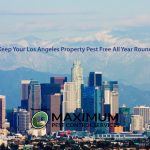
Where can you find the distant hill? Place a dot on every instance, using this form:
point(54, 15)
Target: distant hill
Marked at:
point(10, 82)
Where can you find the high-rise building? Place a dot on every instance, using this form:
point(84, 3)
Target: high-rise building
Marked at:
point(114, 106)
point(143, 111)
point(70, 102)
point(58, 80)
point(20, 121)
point(77, 78)
point(107, 92)
point(125, 118)
point(49, 101)
point(48, 89)
point(91, 103)
point(111, 95)
point(2, 111)
point(34, 102)
point(95, 79)
point(55, 105)
point(137, 123)
point(25, 93)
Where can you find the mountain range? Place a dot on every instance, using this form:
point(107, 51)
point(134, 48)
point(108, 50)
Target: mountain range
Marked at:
point(131, 69)
point(10, 85)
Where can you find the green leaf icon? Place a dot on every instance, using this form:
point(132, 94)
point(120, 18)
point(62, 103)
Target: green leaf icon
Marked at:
point(39, 120)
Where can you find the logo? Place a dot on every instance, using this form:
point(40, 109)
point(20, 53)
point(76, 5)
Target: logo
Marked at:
point(39, 120)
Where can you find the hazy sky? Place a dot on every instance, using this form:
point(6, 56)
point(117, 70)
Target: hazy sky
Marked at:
point(50, 19)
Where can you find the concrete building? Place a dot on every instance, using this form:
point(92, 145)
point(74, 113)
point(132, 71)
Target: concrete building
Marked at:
point(114, 105)
point(143, 111)
point(111, 95)
point(77, 78)
point(2, 111)
point(55, 108)
point(20, 121)
point(34, 102)
point(70, 102)
point(137, 123)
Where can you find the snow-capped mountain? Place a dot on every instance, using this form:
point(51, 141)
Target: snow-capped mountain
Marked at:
point(129, 67)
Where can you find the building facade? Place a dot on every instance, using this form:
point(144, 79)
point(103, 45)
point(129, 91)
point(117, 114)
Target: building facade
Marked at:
point(20, 121)
point(111, 96)
point(77, 78)
point(25, 93)
point(2, 111)
point(125, 118)
point(34, 102)
point(70, 101)
point(143, 111)
point(54, 108)
point(137, 123)
point(95, 79)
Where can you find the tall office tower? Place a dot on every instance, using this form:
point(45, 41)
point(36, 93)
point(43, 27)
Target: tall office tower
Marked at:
point(70, 102)
point(34, 102)
point(77, 78)
point(107, 92)
point(114, 106)
point(137, 123)
point(48, 89)
point(55, 108)
point(125, 118)
point(143, 111)
point(91, 103)
point(110, 95)
point(24, 93)
point(2, 111)
point(95, 79)
point(20, 121)
point(58, 80)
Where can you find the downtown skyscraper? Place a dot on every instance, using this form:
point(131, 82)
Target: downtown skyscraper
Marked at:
point(70, 102)
point(34, 101)
point(95, 79)
point(77, 78)
point(2, 111)
point(25, 93)
point(111, 95)
point(125, 117)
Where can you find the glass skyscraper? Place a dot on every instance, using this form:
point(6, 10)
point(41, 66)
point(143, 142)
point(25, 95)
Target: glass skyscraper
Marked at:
point(125, 117)
point(95, 79)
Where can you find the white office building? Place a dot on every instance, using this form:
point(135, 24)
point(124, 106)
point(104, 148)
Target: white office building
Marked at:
point(77, 78)
point(143, 111)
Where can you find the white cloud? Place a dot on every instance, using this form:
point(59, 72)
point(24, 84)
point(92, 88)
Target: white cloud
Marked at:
point(141, 20)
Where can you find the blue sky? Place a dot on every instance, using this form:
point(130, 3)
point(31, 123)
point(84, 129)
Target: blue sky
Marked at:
point(49, 19)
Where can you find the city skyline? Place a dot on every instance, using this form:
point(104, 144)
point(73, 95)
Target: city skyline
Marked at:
point(49, 24)
point(100, 94)
point(59, 78)
point(69, 109)
point(74, 74)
